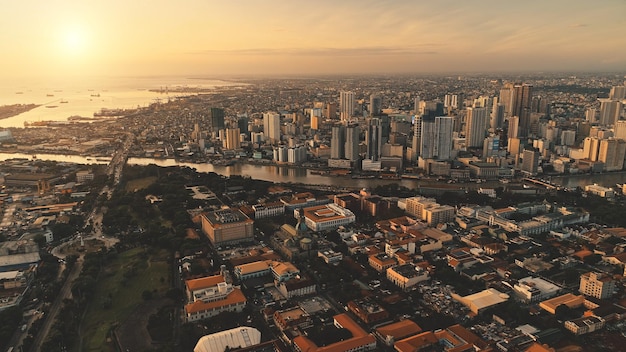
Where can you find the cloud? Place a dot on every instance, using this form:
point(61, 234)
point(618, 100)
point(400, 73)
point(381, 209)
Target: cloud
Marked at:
point(578, 25)
point(358, 51)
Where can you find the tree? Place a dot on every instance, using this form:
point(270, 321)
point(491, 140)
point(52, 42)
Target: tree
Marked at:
point(40, 240)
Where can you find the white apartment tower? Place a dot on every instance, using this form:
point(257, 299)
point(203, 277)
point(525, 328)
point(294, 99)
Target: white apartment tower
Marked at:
point(271, 127)
point(476, 126)
point(346, 105)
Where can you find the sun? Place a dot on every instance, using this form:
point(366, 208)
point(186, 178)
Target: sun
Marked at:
point(74, 41)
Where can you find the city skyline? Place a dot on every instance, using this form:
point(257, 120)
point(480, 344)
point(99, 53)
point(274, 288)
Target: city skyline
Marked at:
point(112, 38)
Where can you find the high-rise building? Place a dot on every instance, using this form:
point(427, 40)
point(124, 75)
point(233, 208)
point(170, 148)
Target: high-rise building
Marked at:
point(331, 111)
point(522, 99)
point(352, 143)
point(436, 138)
point(373, 139)
point(491, 145)
point(476, 126)
point(376, 105)
point(610, 111)
point(243, 123)
point(618, 93)
point(346, 105)
point(591, 148)
point(337, 142)
point(568, 137)
point(315, 123)
point(506, 98)
point(597, 285)
point(590, 115)
point(522, 107)
point(612, 153)
point(416, 106)
point(530, 162)
point(620, 129)
point(513, 131)
point(514, 146)
point(232, 140)
point(216, 117)
point(271, 127)
point(497, 115)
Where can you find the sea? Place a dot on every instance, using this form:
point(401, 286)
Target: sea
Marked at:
point(61, 98)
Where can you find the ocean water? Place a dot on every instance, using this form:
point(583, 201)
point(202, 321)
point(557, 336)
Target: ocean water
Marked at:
point(85, 96)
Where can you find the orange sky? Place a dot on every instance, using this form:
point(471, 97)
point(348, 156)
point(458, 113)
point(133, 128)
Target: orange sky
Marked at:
point(142, 37)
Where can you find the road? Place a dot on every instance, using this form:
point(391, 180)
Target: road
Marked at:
point(65, 293)
point(114, 171)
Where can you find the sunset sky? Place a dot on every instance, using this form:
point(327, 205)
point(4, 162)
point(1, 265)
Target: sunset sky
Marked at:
point(159, 37)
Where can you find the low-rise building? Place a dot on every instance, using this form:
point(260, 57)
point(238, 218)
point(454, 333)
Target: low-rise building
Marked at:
point(252, 270)
point(326, 217)
point(381, 262)
point(533, 289)
point(584, 325)
point(407, 275)
point(330, 257)
point(210, 296)
point(268, 210)
point(296, 287)
point(360, 341)
point(367, 310)
point(227, 226)
point(570, 300)
point(478, 302)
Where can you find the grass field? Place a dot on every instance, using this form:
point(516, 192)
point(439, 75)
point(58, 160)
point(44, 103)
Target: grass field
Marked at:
point(120, 288)
point(140, 183)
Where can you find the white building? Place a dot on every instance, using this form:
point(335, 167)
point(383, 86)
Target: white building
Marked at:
point(531, 289)
point(240, 337)
point(326, 217)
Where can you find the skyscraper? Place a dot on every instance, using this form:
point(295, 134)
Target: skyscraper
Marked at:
point(444, 125)
point(591, 148)
point(620, 129)
point(352, 143)
point(346, 105)
point(610, 111)
point(476, 126)
point(618, 93)
point(612, 152)
point(530, 164)
point(522, 103)
point(436, 138)
point(232, 139)
point(497, 115)
point(522, 99)
point(506, 98)
point(216, 117)
point(331, 110)
point(513, 131)
point(373, 139)
point(590, 115)
point(337, 142)
point(376, 105)
point(271, 127)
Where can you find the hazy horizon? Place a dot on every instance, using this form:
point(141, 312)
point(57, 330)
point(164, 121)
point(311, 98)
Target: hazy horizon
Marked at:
point(274, 38)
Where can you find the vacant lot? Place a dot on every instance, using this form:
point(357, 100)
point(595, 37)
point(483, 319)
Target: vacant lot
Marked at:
point(120, 290)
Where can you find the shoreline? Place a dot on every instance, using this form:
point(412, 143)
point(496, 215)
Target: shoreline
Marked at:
point(8, 111)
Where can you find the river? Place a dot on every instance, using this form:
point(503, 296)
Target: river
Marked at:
point(282, 174)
